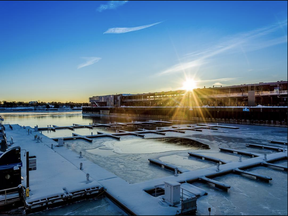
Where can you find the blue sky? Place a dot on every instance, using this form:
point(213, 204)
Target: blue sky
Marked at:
point(69, 51)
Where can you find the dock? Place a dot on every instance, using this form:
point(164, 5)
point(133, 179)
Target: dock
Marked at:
point(265, 147)
point(278, 142)
point(216, 183)
point(209, 158)
point(274, 166)
point(257, 176)
point(167, 166)
point(234, 151)
point(52, 181)
point(217, 126)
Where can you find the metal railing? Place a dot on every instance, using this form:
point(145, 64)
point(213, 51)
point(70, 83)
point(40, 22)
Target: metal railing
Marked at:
point(9, 191)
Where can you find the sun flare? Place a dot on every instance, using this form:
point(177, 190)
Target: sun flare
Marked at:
point(189, 85)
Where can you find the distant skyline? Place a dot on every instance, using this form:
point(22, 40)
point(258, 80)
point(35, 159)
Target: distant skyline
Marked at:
point(71, 50)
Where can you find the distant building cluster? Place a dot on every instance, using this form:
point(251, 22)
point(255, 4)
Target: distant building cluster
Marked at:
point(265, 94)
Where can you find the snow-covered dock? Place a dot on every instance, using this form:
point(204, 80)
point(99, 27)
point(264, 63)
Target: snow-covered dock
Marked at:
point(265, 147)
point(58, 176)
point(56, 179)
point(115, 124)
point(209, 158)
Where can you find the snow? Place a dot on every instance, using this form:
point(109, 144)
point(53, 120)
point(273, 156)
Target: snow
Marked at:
point(58, 168)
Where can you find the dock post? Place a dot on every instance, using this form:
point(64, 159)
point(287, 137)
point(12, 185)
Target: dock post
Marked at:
point(176, 172)
point(87, 177)
point(80, 155)
point(52, 146)
point(81, 166)
point(265, 156)
point(27, 173)
point(218, 167)
point(209, 210)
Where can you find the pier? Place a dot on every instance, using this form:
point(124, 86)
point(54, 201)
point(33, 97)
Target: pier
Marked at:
point(175, 169)
point(257, 176)
point(235, 151)
point(216, 183)
point(278, 142)
point(265, 147)
point(204, 157)
point(51, 184)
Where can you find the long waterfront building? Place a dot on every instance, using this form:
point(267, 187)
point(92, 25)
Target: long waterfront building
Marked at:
point(262, 101)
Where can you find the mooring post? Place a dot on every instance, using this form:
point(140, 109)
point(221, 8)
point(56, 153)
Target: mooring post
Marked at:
point(81, 167)
point(52, 146)
point(80, 155)
point(218, 167)
point(265, 156)
point(176, 171)
point(87, 177)
point(209, 210)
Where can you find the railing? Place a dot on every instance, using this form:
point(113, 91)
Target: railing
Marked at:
point(244, 94)
point(8, 194)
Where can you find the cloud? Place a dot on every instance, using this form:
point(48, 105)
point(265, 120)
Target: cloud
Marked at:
point(219, 79)
point(122, 30)
point(217, 84)
point(250, 41)
point(89, 61)
point(111, 5)
point(182, 67)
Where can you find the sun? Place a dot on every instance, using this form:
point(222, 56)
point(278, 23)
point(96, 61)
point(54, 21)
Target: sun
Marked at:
point(189, 85)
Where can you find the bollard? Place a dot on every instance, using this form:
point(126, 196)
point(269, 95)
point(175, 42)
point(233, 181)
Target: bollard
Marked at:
point(81, 167)
point(176, 172)
point(80, 155)
point(240, 158)
point(265, 157)
point(11, 142)
point(209, 210)
point(87, 177)
point(28, 131)
point(52, 146)
point(218, 167)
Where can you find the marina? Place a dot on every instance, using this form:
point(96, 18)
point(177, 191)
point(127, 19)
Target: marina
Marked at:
point(143, 108)
point(101, 182)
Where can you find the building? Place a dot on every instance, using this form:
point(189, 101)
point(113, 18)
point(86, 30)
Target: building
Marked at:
point(265, 94)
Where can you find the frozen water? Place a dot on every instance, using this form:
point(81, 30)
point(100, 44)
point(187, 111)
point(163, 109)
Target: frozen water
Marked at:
point(128, 159)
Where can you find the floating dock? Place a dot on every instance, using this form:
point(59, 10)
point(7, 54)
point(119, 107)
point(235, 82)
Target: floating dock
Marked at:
point(209, 158)
point(58, 176)
point(265, 147)
point(235, 151)
point(167, 166)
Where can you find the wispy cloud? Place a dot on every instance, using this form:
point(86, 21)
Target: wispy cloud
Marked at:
point(121, 30)
point(111, 5)
point(183, 66)
point(249, 41)
point(89, 61)
point(225, 79)
point(217, 84)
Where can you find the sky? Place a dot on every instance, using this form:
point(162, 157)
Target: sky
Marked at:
point(72, 50)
